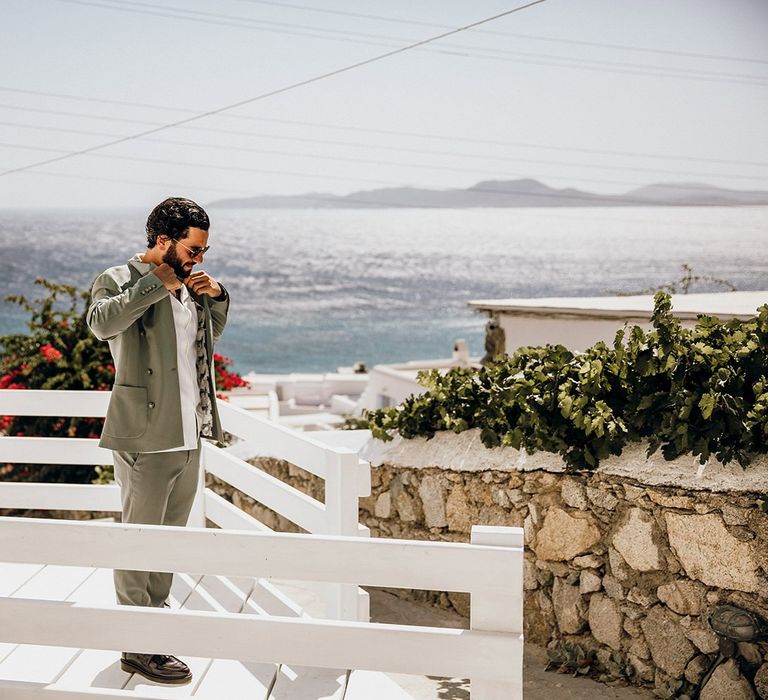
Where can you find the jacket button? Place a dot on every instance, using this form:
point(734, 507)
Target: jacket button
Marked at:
point(149, 370)
point(151, 404)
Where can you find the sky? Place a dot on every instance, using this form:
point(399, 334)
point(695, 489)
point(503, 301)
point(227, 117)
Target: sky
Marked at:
point(603, 95)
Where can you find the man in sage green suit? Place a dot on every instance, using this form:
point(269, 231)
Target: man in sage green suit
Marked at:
point(161, 320)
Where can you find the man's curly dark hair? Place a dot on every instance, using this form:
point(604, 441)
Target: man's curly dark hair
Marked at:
point(173, 218)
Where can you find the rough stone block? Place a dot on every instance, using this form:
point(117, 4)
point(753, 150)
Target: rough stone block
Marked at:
point(589, 582)
point(529, 529)
point(588, 561)
point(761, 682)
point(564, 536)
point(636, 540)
point(733, 515)
point(709, 553)
point(539, 618)
point(573, 494)
point(516, 496)
point(432, 495)
point(500, 498)
point(460, 602)
point(613, 587)
point(569, 607)
point(457, 510)
point(602, 498)
point(605, 621)
point(383, 507)
point(618, 566)
point(727, 683)
point(641, 596)
point(684, 597)
point(670, 649)
point(631, 627)
point(530, 582)
point(703, 638)
point(639, 648)
point(632, 493)
point(406, 507)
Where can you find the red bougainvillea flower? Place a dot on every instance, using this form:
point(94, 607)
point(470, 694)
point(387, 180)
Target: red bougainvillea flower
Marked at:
point(7, 380)
point(226, 380)
point(50, 353)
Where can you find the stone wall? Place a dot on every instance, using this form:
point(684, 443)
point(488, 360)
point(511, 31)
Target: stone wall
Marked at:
point(627, 570)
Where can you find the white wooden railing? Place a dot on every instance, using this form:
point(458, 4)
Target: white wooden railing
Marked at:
point(489, 653)
point(334, 554)
point(346, 476)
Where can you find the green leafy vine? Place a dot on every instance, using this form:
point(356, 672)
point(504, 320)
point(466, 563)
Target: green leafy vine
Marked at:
point(700, 391)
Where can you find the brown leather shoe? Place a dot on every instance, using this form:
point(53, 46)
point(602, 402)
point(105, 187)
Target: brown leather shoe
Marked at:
point(160, 668)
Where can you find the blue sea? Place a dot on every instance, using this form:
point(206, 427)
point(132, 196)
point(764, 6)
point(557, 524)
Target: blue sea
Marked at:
point(315, 289)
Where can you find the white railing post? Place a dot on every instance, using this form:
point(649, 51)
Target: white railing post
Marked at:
point(342, 491)
point(197, 514)
point(502, 612)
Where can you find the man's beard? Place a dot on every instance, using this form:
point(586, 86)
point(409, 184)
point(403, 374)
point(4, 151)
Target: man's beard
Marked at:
point(171, 258)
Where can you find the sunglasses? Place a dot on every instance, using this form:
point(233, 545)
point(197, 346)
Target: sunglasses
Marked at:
point(194, 252)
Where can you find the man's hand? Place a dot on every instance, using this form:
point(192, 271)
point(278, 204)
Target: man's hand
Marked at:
point(167, 275)
point(201, 282)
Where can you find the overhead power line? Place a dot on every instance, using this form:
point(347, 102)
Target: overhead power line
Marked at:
point(239, 22)
point(517, 35)
point(279, 91)
point(345, 128)
point(514, 159)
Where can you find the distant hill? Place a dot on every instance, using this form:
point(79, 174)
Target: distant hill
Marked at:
point(503, 193)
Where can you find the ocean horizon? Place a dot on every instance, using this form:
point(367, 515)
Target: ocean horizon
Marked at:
point(316, 289)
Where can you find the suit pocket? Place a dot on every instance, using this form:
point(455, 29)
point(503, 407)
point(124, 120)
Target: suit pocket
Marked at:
point(128, 414)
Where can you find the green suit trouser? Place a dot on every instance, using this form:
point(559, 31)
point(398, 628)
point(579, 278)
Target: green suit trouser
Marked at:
point(156, 488)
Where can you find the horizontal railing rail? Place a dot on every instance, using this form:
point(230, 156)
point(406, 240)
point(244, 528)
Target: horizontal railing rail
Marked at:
point(305, 642)
point(32, 496)
point(451, 566)
point(490, 569)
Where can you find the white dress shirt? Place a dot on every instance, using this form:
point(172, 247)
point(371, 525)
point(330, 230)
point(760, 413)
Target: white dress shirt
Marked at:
point(185, 323)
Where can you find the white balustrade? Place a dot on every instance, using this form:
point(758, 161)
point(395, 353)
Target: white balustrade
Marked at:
point(337, 555)
point(346, 476)
point(490, 653)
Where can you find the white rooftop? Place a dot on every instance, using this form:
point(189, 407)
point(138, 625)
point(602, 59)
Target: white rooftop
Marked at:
point(741, 305)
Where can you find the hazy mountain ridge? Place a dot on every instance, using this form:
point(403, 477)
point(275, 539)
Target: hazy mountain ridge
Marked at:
point(504, 193)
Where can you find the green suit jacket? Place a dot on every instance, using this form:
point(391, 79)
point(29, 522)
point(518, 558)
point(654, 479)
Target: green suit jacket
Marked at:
point(133, 312)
